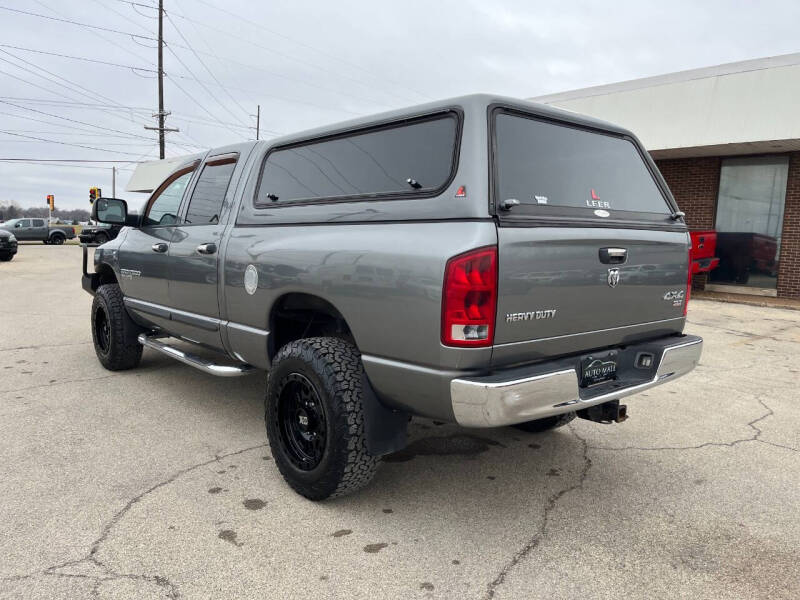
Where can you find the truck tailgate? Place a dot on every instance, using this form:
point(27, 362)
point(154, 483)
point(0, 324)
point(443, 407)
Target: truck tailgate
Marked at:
point(552, 283)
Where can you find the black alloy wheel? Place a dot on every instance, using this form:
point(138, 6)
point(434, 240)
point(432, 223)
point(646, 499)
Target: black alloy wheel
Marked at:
point(102, 330)
point(301, 421)
point(315, 417)
point(113, 332)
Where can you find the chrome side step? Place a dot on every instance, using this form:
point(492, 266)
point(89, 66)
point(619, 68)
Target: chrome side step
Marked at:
point(198, 362)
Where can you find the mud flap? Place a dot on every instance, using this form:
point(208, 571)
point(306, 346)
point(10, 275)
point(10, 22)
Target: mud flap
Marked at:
point(386, 429)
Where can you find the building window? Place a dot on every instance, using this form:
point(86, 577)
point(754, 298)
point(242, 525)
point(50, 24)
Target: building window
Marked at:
point(749, 221)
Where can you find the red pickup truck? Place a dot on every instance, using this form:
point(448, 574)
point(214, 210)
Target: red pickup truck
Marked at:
point(704, 246)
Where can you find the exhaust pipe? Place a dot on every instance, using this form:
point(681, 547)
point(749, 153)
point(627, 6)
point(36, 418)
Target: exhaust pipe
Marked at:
point(611, 411)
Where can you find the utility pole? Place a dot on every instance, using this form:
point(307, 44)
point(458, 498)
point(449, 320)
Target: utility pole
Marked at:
point(161, 79)
point(161, 114)
point(258, 121)
point(113, 182)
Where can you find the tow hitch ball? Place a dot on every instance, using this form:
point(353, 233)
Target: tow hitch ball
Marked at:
point(605, 413)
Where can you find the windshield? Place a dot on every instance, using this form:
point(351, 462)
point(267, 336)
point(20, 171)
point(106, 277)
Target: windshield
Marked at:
point(9, 223)
point(552, 166)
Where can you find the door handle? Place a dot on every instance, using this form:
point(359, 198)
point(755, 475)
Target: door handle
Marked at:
point(613, 256)
point(209, 248)
point(161, 247)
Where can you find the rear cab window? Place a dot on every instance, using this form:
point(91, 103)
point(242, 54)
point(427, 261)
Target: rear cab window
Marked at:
point(560, 170)
point(407, 159)
point(208, 196)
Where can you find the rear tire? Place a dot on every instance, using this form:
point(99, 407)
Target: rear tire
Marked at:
point(113, 331)
point(57, 239)
point(315, 419)
point(546, 424)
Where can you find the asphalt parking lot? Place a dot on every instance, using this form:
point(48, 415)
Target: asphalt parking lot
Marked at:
point(157, 483)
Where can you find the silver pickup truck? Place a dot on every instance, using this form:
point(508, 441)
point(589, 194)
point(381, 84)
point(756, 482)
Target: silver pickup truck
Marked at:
point(480, 260)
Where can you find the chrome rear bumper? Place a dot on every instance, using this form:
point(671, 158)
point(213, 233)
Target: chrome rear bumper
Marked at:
point(494, 401)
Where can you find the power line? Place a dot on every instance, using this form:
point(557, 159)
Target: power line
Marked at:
point(287, 77)
point(205, 66)
point(195, 100)
point(86, 25)
point(41, 112)
point(36, 85)
point(209, 92)
point(78, 131)
point(133, 35)
point(325, 53)
point(138, 4)
point(283, 55)
point(257, 93)
point(38, 163)
point(67, 143)
point(100, 35)
point(181, 117)
point(83, 58)
point(77, 104)
point(80, 89)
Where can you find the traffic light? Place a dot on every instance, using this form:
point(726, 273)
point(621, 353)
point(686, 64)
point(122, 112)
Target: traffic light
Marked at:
point(94, 194)
point(51, 202)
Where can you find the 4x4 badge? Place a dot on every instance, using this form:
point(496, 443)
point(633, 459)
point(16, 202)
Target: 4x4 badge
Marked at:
point(613, 277)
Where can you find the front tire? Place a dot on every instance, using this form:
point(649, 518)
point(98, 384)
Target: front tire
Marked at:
point(100, 239)
point(315, 419)
point(6, 257)
point(113, 331)
point(546, 424)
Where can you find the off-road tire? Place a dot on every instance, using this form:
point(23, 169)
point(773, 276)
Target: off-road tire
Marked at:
point(57, 239)
point(333, 367)
point(118, 349)
point(546, 424)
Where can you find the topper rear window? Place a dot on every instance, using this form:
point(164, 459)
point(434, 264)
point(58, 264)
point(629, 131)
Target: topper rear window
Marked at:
point(414, 158)
point(565, 170)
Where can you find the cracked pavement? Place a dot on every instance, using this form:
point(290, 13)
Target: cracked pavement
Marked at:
point(157, 483)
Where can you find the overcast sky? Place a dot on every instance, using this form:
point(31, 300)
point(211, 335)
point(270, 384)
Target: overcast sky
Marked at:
point(312, 63)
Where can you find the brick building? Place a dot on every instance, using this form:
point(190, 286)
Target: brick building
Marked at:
point(727, 140)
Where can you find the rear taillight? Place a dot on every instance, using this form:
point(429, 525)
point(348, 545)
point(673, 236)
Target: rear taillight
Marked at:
point(469, 298)
point(689, 268)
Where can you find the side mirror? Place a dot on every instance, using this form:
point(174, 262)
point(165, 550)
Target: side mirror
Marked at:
point(110, 210)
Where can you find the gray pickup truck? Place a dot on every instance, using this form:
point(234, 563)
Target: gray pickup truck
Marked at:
point(480, 260)
point(26, 230)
